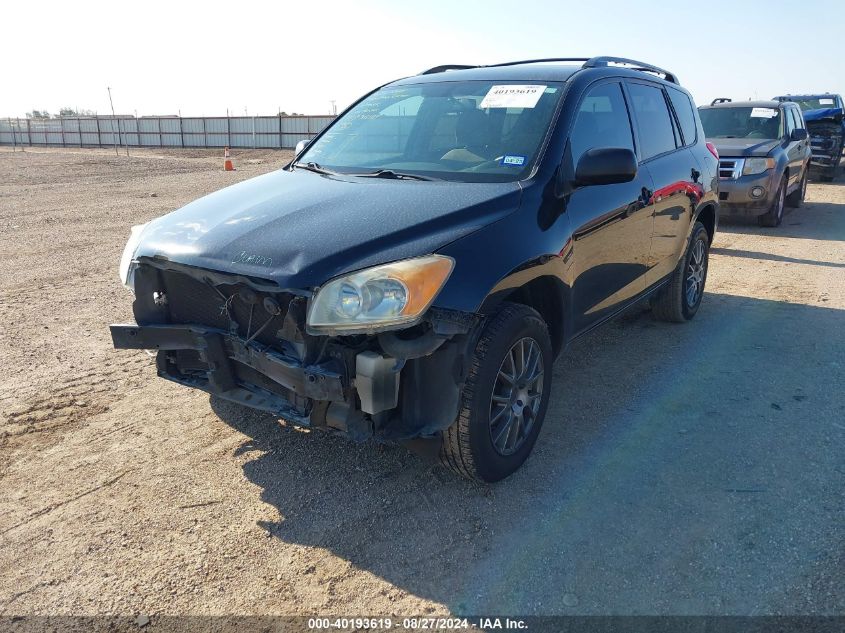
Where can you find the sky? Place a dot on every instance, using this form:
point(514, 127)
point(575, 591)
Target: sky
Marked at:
point(207, 58)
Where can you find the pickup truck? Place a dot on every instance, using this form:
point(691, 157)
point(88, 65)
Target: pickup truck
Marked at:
point(825, 117)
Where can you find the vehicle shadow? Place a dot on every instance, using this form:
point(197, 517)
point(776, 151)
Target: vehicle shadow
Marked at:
point(682, 469)
point(772, 257)
point(814, 220)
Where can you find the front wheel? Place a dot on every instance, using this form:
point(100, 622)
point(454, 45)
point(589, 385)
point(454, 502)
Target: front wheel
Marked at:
point(505, 397)
point(774, 216)
point(796, 198)
point(679, 300)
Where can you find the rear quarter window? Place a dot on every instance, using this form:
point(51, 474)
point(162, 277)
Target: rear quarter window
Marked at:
point(686, 114)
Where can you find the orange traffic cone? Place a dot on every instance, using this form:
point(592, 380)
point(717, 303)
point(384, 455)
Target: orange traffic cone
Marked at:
point(227, 162)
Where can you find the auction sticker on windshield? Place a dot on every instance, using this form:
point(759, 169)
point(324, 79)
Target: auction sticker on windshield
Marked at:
point(763, 113)
point(512, 96)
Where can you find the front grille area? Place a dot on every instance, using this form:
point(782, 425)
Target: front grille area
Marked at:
point(822, 143)
point(730, 168)
point(190, 300)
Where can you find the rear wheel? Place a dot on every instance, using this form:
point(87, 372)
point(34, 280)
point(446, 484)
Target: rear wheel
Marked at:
point(796, 198)
point(679, 300)
point(775, 215)
point(505, 397)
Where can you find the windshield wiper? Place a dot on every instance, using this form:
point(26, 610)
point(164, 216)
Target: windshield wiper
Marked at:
point(381, 173)
point(316, 168)
point(390, 174)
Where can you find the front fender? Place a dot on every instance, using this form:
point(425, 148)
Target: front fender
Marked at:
point(497, 258)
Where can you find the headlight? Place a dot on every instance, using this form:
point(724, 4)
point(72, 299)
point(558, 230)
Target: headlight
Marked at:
point(757, 165)
point(126, 269)
point(379, 298)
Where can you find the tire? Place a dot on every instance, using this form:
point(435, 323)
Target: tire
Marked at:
point(774, 216)
point(469, 447)
point(830, 173)
point(672, 302)
point(796, 198)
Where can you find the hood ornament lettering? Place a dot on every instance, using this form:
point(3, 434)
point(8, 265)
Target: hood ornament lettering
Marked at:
point(252, 259)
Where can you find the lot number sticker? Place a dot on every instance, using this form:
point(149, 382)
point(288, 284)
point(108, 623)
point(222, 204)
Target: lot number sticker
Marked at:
point(512, 96)
point(826, 101)
point(763, 113)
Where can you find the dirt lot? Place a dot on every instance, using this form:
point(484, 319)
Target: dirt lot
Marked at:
point(682, 469)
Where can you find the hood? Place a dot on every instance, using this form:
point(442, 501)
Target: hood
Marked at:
point(821, 114)
point(299, 229)
point(744, 146)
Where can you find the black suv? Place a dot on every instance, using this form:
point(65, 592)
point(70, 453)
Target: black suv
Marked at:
point(764, 156)
point(416, 269)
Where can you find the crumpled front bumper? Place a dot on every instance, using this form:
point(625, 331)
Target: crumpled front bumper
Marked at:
point(222, 354)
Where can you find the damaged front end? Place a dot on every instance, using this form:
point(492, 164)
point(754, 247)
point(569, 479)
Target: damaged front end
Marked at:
point(246, 340)
point(827, 135)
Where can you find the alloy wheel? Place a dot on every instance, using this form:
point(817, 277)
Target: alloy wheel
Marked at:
point(696, 271)
point(517, 393)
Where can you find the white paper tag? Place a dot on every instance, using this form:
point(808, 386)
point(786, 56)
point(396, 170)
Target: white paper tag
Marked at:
point(512, 96)
point(763, 113)
point(826, 101)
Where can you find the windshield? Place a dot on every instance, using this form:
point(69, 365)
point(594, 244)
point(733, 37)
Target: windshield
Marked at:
point(734, 122)
point(814, 103)
point(471, 131)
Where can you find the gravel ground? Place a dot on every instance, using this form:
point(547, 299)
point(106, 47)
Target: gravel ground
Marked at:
point(693, 469)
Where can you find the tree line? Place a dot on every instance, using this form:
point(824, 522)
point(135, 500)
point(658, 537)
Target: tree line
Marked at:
point(44, 114)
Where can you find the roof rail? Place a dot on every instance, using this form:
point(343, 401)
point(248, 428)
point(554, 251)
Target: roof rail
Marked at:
point(445, 67)
point(633, 64)
point(541, 61)
point(440, 69)
point(588, 62)
point(720, 100)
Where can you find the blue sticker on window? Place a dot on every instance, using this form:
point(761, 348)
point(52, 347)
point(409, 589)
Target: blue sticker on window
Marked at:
point(513, 160)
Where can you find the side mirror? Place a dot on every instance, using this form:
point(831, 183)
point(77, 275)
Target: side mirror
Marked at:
point(300, 147)
point(606, 166)
point(798, 135)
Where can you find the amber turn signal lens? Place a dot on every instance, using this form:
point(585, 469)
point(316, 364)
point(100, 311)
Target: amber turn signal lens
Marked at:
point(424, 282)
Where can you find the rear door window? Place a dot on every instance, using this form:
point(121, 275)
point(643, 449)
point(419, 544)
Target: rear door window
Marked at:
point(602, 121)
point(654, 123)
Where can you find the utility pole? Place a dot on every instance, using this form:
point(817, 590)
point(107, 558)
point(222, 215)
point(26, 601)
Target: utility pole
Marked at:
point(14, 136)
point(113, 118)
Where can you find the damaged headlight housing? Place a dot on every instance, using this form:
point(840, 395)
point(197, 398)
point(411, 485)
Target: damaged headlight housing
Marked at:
point(379, 298)
point(757, 165)
point(126, 269)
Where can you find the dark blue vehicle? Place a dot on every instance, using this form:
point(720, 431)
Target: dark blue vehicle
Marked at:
point(825, 117)
point(416, 269)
